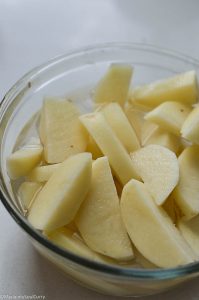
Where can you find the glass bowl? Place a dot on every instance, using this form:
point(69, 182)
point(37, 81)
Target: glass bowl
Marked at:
point(75, 74)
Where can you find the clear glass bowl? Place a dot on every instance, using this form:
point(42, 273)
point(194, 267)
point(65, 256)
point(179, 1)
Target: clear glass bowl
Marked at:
point(76, 74)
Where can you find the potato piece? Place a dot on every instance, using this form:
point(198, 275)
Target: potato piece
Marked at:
point(172, 209)
point(136, 119)
point(59, 200)
point(42, 173)
point(22, 161)
point(114, 86)
point(190, 232)
point(66, 239)
point(170, 116)
point(110, 145)
point(148, 128)
point(99, 220)
point(93, 148)
point(186, 193)
point(142, 261)
point(190, 128)
point(159, 170)
point(26, 193)
point(181, 88)
point(116, 118)
point(62, 133)
point(151, 230)
point(165, 139)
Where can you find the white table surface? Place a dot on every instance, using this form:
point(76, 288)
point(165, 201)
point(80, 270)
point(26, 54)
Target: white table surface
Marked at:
point(31, 32)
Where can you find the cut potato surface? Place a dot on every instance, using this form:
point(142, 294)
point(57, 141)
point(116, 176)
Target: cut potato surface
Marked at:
point(172, 209)
point(66, 239)
point(27, 191)
point(42, 173)
point(99, 220)
point(151, 230)
point(136, 119)
point(110, 145)
point(165, 139)
point(181, 88)
point(190, 128)
point(169, 115)
point(159, 170)
point(114, 86)
point(190, 232)
point(58, 202)
point(186, 193)
point(22, 161)
point(63, 134)
point(148, 128)
point(118, 121)
point(93, 148)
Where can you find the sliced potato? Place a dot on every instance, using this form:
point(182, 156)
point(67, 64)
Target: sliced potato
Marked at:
point(66, 239)
point(186, 193)
point(93, 148)
point(59, 200)
point(62, 133)
point(27, 191)
point(190, 232)
point(136, 119)
point(99, 220)
point(42, 173)
point(118, 121)
point(159, 170)
point(181, 88)
point(172, 209)
point(110, 145)
point(169, 115)
point(165, 139)
point(148, 128)
point(190, 128)
point(114, 86)
point(151, 230)
point(22, 161)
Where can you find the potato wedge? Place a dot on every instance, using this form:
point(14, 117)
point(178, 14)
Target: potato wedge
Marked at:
point(59, 200)
point(159, 170)
point(151, 230)
point(190, 128)
point(42, 173)
point(93, 148)
point(190, 232)
point(136, 119)
point(26, 193)
point(99, 220)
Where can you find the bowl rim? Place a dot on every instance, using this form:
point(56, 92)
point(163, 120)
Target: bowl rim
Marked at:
point(109, 270)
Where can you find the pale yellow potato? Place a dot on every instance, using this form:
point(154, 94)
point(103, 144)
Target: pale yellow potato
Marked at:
point(151, 230)
point(158, 168)
point(136, 119)
point(114, 86)
point(93, 148)
point(61, 131)
point(66, 239)
point(186, 193)
point(181, 88)
point(110, 145)
point(22, 161)
point(172, 209)
point(42, 173)
point(99, 219)
point(27, 191)
point(118, 121)
point(190, 232)
point(142, 261)
point(59, 200)
point(147, 130)
point(190, 128)
point(169, 115)
point(163, 138)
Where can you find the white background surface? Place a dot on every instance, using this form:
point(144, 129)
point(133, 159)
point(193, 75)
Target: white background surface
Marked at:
point(31, 32)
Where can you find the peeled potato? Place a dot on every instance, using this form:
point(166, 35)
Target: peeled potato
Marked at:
point(27, 191)
point(42, 173)
point(190, 232)
point(62, 133)
point(151, 230)
point(66, 239)
point(119, 123)
point(148, 128)
point(114, 86)
point(172, 209)
point(99, 220)
point(159, 170)
point(190, 128)
point(22, 161)
point(93, 148)
point(136, 119)
point(186, 193)
point(181, 88)
point(169, 115)
point(59, 200)
point(110, 145)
